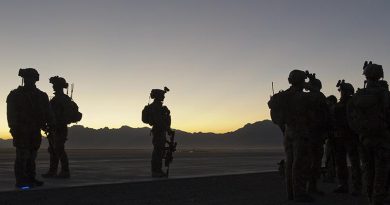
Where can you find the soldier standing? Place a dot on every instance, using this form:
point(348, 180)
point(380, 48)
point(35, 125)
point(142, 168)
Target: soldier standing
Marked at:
point(60, 104)
point(346, 143)
point(330, 163)
point(288, 110)
point(159, 117)
point(319, 128)
point(28, 112)
point(368, 116)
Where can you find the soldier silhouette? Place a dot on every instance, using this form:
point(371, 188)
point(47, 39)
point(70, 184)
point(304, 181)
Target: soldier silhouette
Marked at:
point(65, 112)
point(346, 143)
point(289, 112)
point(319, 129)
point(368, 116)
point(28, 112)
point(159, 117)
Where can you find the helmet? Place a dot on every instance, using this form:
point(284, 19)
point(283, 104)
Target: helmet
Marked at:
point(58, 81)
point(372, 71)
point(315, 83)
point(345, 87)
point(29, 73)
point(297, 77)
point(331, 99)
point(158, 93)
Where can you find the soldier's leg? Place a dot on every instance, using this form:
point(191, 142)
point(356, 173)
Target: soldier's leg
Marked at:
point(20, 166)
point(60, 150)
point(317, 155)
point(368, 162)
point(31, 167)
point(382, 163)
point(288, 148)
point(53, 166)
point(158, 151)
point(301, 169)
point(341, 165)
point(354, 157)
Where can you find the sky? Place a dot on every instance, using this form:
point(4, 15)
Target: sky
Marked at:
point(218, 57)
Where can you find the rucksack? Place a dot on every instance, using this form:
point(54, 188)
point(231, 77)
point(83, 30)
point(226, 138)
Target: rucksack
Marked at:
point(367, 111)
point(147, 116)
point(72, 113)
point(279, 107)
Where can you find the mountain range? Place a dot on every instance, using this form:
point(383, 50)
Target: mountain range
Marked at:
point(263, 134)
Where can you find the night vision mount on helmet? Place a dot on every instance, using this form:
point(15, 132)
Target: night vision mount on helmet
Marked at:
point(313, 81)
point(372, 71)
point(345, 87)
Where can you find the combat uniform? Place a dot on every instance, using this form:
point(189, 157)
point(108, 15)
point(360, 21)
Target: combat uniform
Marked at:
point(367, 115)
point(28, 112)
point(319, 127)
point(57, 141)
point(159, 117)
point(346, 142)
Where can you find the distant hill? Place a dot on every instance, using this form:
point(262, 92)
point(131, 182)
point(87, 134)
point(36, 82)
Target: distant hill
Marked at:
point(259, 134)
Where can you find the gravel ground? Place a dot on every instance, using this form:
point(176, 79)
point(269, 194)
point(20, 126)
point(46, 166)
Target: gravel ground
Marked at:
point(256, 188)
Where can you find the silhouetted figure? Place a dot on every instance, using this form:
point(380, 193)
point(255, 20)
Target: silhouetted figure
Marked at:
point(346, 143)
point(28, 112)
point(330, 162)
point(368, 116)
point(289, 112)
point(65, 112)
point(158, 116)
point(319, 126)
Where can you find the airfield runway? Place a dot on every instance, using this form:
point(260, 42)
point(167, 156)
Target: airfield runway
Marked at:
point(198, 177)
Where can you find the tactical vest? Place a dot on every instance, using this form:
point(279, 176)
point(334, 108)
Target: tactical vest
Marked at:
point(368, 111)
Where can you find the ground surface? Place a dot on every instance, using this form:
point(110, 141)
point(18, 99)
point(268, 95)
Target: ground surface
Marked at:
point(122, 177)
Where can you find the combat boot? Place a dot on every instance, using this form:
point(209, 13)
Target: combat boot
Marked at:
point(342, 189)
point(356, 192)
point(313, 189)
point(64, 175)
point(36, 182)
point(304, 198)
point(49, 174)
point(158, 174)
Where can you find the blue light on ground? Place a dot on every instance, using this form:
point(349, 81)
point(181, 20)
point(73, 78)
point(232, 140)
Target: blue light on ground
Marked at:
point(25, 188)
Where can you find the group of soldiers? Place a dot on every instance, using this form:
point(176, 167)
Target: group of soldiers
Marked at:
point(29, 111)
point(356, 126)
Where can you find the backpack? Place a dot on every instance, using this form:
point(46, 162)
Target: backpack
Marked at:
point(367, 110)
point(147, 116)
point(279, 107)
point(71, 112)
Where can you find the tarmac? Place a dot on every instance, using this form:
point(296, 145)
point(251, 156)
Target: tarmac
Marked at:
point(197, 177)
point(254, 188)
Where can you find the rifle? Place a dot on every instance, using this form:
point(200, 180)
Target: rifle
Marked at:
point(169, 150)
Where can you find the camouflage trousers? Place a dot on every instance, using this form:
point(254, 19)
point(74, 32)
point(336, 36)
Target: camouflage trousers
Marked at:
point(57, 150)
point(159, 140)
point(330, 161)
point(376, 165)
point(316, 153)
point(348, 146)
point(24, 166)
point(297, 150)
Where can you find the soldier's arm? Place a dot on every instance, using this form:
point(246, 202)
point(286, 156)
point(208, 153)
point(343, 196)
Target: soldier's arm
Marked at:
point(49, 114)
